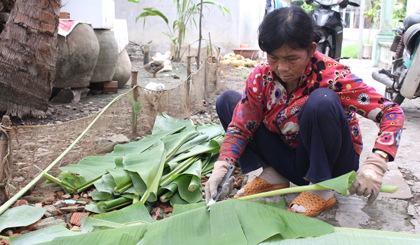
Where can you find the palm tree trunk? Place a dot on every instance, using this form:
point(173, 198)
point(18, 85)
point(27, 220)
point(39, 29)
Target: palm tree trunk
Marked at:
point(28, 53)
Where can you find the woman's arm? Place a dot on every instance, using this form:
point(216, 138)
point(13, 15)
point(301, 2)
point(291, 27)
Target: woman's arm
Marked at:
point(247, 117)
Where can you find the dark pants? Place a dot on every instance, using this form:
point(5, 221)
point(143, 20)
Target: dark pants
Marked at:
point(325, 148)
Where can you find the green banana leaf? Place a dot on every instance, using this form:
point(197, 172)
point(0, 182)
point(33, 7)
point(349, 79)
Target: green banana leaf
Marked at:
point(179, 169)
point(193, 170)
point(183, 183)
point(176, 199)
point(348, 236)
point(143, 144)
point(191, 143)
point(206, 147)
point(228, 222)
point(173, 142)
point(20, 216)
point(88, 170)
point(122, 179)
point(210, 165)
point(149, 167)
point(44, 235)
point(164, 122)
point(168, 191)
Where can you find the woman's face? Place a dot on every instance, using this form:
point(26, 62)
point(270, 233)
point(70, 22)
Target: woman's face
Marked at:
point(290, 64)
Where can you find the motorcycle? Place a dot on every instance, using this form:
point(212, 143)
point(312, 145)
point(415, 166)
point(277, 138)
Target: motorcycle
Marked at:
point(403, 78)
point(331, 26)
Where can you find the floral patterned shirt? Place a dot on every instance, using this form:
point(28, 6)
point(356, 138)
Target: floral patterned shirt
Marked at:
point(265, 100)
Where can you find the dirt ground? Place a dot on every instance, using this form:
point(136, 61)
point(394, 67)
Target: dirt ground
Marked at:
point(96, 100)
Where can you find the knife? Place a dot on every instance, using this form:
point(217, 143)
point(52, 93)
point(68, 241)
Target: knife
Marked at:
point(220, 187)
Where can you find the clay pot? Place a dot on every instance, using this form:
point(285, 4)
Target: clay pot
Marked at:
point(76, 58)
point(108, 56)
point(123, 72)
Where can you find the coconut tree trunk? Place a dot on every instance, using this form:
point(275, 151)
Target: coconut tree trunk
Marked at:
point(28, 53)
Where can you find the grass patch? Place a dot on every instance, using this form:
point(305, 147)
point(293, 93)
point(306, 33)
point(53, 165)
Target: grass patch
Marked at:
point(350, 50)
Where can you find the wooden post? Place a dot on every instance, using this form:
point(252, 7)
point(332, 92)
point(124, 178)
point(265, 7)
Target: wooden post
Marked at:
point(134, 78)
point(199, 36)
point(145, 49)
point(211, 46)
point(5, 156)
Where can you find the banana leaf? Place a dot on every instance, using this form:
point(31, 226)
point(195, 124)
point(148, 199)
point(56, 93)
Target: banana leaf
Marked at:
point(164, 122)
point(177, 200)
point(228, 222)
point(179, 169)
point(149, 167)
point(173, 142)
point(168, 191)
point(212, 130)
point(206, 147)
point(183, 183)
point(21, 216)
point(191, 143)
point(44, 235)
point(210, 165)
point(193, 170)
point(143, 144)
point(348, 236)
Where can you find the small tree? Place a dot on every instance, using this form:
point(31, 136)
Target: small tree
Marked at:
point(187, 11)
point(372, 15)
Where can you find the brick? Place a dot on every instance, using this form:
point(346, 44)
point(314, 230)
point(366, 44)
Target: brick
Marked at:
point(38, 205)
point(20, 203)
point(76, 218)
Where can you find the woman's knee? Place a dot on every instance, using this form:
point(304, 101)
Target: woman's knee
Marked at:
point(228, 100)
point(322, 101)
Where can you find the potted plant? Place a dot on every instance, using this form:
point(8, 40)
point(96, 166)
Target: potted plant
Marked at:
point(371, 15)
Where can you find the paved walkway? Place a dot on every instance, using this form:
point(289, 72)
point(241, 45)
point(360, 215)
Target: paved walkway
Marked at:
point(399, 212)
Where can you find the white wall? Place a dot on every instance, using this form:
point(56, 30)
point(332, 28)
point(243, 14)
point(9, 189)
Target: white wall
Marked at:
point(226, 31)
point(413, 6)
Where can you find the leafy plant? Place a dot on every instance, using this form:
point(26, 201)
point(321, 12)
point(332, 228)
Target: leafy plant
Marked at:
point(187, 12)
point(372, 15)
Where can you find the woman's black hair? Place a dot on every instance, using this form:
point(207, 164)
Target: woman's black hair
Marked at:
point(288, 25)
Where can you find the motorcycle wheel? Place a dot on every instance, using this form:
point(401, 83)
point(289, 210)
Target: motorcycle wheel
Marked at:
point(394, 97)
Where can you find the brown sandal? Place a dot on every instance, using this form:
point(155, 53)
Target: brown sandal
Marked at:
point(313, 204)
point(259, 185)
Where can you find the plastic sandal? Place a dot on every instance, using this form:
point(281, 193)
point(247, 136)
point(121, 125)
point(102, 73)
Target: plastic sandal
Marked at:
point(313, 204)
point(259, 185)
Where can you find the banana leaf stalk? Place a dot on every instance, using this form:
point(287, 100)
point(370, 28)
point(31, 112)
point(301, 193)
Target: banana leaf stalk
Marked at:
point(333, 184)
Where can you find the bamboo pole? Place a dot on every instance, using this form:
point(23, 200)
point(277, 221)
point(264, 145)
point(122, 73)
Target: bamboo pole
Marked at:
point(12, 200)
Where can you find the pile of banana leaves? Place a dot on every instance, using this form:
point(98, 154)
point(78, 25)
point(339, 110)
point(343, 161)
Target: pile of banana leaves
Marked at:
point(168, 164)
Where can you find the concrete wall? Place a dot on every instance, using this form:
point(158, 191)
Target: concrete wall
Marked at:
point(226, 31)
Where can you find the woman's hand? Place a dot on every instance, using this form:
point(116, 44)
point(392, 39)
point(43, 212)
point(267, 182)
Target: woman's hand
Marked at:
point(369, 177)
point(220, 170)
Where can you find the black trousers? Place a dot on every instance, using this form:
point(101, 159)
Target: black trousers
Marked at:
point(325, 148)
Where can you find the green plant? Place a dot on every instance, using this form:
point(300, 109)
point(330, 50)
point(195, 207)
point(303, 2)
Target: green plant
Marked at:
point(372, 15)
point(350, 50)
point(399, 10)
point(187, 11)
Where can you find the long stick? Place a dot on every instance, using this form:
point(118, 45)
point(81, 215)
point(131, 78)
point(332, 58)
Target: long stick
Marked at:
point(12, 200)
point(384, 188)
point(199, 36)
